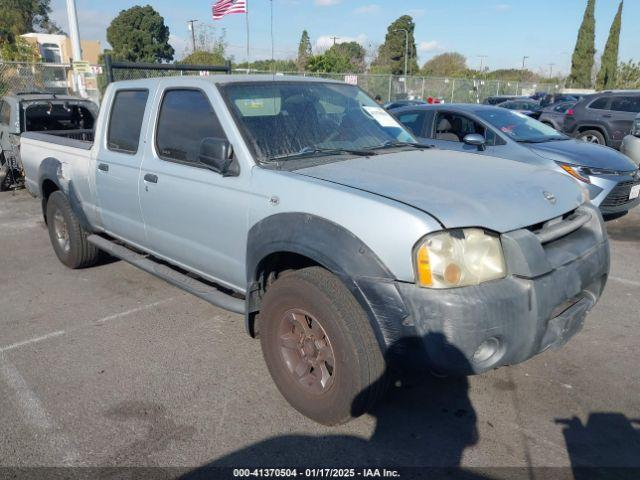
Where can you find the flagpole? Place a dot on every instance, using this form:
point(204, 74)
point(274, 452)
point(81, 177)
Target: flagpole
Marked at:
point(248, 51)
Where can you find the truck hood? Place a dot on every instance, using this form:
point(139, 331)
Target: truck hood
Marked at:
point(577, 152)
point(459, 189)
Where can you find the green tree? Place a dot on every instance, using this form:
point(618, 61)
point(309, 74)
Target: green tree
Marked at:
point(391, 53)
point(448, 64)
point(583, 56)
point(628, 75)
point(140, 35)
point(348, 57)
point(200, 57)
point(24, 16)
point(609, 61)
point(19, 51)
point(304, 52)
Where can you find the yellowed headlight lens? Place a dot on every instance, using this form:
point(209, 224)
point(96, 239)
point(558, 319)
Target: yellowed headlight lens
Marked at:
point(424, 267)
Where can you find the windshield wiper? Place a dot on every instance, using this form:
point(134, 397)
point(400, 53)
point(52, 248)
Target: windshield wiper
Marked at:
point(543, 140)
point(307, 151)
point(400, 145)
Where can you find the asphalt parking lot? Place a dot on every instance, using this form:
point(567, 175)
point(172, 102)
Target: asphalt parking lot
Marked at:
point(111, 367)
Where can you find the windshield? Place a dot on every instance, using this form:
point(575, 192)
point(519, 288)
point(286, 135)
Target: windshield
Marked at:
point(282, 120)
point(519, 127)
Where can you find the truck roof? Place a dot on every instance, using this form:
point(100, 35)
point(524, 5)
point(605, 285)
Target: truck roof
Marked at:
point(225, 79)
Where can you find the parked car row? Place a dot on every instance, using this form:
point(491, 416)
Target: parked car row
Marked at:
point(611, 178)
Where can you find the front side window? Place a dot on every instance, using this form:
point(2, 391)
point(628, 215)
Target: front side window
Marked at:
point(519, 127)
point(626, 104)
point(186, 118)
point(454, 127)
point(283, 120)
point(125, 123)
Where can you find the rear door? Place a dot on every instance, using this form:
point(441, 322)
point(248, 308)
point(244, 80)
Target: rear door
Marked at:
point(118, 166)
point(624, 109)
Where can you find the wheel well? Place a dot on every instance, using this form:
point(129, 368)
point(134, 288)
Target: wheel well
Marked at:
point(48, 187)
point(268, 271)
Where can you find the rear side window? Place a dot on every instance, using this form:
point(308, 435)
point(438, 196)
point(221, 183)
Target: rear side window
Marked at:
point(626, 104)
point(186, 118)
point(5, 113)
point(126, 120)
point(600, 103)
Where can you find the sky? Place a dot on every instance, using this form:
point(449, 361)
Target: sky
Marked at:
point(504, 30)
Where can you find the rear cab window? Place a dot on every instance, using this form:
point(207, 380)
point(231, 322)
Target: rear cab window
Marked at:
point(601, 103)
point(187, 118)
point(125, 123)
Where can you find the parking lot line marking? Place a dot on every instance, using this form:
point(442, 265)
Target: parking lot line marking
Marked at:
point(32, 340)
point(37, 417)
point(133, 310)
point(625, 281)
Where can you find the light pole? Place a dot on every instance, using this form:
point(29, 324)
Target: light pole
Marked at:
point(406, 50)
point(524, 59)
point(74, 31)
point(482, 57)
point(551, 70)
point(192, 27)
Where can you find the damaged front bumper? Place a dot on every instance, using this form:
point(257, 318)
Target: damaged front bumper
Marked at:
point(542, 303)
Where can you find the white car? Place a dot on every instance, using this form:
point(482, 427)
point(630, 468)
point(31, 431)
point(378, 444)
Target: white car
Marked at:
point(631, 143)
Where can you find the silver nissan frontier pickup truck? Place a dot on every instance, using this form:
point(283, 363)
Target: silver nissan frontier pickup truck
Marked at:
point(303, 205)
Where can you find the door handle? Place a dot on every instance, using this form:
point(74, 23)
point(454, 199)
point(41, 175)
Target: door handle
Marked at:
point(607, 115)
point(103, 167)
point(151, 178)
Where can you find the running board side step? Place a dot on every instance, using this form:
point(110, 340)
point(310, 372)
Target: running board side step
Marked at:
point(196, 287)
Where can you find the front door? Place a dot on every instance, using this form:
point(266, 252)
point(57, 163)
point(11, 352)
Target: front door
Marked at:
point(118, 167)
point(194, 217)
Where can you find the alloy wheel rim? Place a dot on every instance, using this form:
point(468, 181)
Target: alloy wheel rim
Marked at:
point(306, 351)
point(591, 139)
point(61, 231)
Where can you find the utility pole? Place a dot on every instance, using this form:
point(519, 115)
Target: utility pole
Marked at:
point(334, 40)
point(551, 69)
point(524, 59)
point(482, 57)
point(193, 32)
point(74, 31)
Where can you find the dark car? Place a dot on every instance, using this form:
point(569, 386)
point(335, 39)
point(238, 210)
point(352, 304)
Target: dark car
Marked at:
point(496, 99)
point(604, 118)
point(612, 179)
point(526, 106)
point(553, 115)
point(403, 103)
point(556, 98)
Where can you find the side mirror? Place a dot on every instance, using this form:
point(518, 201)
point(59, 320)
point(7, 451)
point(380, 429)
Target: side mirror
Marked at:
point(477, 140)
point(217, 155)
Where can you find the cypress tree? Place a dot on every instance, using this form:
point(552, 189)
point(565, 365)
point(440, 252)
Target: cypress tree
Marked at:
point(583, 55)
point(609, 66)
point(304, 51)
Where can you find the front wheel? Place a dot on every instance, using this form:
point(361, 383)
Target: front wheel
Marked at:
point(320, 348)
point(68, 238)
point(592, 136)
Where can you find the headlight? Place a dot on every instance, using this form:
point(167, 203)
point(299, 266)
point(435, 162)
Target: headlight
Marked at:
point(459, 258)
point(579, 173)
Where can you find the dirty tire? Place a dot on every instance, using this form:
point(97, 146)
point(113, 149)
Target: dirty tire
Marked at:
point(592, 136)
point(358, 377)
point(68, 238)
point(4, 173)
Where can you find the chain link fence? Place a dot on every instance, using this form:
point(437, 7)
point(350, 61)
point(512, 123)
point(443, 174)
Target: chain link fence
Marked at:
point(59, 79)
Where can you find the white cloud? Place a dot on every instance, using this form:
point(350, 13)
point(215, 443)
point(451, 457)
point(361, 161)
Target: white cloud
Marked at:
point(326, 41)
point(430, 46)
point(180, 45)
point(367, 9)
point(327, 3)
point(502, 7)
point(416, 12)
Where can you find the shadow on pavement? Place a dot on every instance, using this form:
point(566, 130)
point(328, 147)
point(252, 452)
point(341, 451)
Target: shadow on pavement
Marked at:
point(424, 422)
point(607, 446)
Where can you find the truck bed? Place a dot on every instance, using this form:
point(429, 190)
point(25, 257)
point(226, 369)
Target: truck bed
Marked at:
point(70, 138)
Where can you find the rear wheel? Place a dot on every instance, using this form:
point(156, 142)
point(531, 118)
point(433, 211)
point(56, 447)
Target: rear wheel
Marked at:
point(68, 238)
point(592, 136)
point(320, 348)
point(4, 173)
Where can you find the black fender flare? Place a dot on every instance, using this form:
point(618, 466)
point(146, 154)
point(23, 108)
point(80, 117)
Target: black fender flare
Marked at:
point(339, 251)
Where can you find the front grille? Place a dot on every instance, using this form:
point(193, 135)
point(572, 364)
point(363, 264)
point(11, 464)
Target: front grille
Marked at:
point(620, 194)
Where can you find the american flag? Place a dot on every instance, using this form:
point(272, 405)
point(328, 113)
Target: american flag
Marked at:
point(225, 7)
